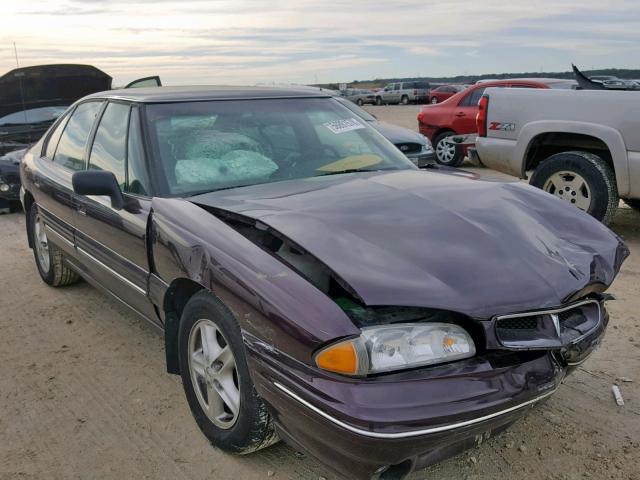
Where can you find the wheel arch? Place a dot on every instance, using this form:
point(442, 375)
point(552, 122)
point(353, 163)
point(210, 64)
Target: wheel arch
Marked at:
point(539, 140)
point(176, 297)
point(28, 201)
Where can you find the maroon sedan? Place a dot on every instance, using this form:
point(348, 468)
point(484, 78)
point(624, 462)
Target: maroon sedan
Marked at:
point(312, 284)
point(441, 93)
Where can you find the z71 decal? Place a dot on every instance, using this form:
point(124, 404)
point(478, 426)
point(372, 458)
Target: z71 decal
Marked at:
point(505, 127)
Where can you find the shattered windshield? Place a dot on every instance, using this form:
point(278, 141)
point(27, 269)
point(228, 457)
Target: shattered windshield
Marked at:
point(207, 146)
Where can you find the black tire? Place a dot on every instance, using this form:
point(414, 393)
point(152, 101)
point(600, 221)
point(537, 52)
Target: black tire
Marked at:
point(598, 178)
point(378, 101)
point(253, 429)
point(633, 203)
point(404, 100)
point(360, 102)
point(453, 161)
point(433, 101)
point(57, 274)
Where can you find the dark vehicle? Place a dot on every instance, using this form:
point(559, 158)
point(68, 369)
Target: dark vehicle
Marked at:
point(312, 284)
point(31, 98)
point(359, 96)
point(414, 145)
point(10, 181)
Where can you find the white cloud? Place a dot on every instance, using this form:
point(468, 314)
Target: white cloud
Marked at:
point(248, 41)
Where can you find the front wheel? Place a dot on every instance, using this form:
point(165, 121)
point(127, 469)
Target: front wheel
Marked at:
point(49, 258)
point(581, 178)
point(360, 102)
point(378, 101)
point(447, 153)
point(216, 379)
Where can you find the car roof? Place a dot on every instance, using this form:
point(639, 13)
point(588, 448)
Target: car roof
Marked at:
point(203, 93)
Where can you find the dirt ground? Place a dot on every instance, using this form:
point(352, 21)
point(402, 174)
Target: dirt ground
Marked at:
point(84, 393)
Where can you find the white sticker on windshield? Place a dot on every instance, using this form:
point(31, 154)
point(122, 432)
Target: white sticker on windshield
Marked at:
point(346, 125)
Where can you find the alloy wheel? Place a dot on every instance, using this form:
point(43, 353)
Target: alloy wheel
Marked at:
point(214, 374)
point(41, 244)
point(445, 151)
point(570, 187)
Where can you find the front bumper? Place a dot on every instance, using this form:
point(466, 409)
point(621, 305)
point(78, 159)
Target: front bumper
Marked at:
point(390, 425)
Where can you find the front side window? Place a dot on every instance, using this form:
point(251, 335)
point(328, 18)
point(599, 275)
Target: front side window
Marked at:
point(70, 151)
point(110, 143)
point(206, 146)
point(396, 86)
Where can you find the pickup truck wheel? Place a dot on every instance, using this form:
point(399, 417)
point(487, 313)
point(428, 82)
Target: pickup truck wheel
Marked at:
point(404, 100)
point(49, 258)
point(582, 179)
point(378, 101)
point(447, 153)
point(216, 378)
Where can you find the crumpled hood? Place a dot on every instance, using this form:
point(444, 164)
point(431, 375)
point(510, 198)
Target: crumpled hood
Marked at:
point(396, 134)
point(427, 239)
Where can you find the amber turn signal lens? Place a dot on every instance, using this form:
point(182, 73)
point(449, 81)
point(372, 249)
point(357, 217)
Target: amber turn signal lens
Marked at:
point(339, 358)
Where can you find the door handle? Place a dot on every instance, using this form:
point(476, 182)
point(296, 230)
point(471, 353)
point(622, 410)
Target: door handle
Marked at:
point(461, 114)
point(81, 210)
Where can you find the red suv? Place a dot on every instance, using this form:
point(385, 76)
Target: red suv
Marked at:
point(457, 114)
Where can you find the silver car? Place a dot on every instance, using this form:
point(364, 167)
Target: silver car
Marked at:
point(359, 96)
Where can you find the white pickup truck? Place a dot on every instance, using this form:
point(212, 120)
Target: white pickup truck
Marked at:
point(582, 146)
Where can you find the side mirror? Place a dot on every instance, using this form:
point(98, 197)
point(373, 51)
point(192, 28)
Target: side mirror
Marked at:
point(98, 182)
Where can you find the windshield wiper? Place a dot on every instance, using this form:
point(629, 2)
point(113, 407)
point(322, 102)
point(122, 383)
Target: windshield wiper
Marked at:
point(353, 170)
point(202, 192)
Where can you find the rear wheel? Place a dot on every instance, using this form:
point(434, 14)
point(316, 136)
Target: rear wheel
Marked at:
point(433, 101)
point(378, 101)
point(404, 100)
point(581, 178)
point(49, 259)
point(447, 154)
point(216, 378)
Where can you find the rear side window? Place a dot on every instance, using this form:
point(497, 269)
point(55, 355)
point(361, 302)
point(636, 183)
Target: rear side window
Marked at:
point(54, 138)
point(472, 98)
point(70, 151)
point(110, 145)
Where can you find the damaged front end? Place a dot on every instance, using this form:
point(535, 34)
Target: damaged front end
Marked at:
point(456, 340)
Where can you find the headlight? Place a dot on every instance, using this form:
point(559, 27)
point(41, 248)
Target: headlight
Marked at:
point(427, 142)
point(397, 347)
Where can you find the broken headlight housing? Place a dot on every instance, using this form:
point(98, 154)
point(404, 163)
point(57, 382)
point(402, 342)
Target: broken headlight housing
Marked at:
point(397, 347)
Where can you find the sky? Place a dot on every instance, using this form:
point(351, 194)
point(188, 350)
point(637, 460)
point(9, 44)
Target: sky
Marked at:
point(310, 41)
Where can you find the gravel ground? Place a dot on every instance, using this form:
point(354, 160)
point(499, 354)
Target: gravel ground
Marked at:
point(84, 393)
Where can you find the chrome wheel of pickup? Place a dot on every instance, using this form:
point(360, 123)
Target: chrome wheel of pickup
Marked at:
point(570, 187)
point(214, 374)
point(41, 244)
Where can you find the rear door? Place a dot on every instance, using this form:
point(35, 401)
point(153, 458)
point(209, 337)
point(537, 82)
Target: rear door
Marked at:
point(63, 155)
point(112, 243)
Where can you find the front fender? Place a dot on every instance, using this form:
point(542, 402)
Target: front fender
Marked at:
point(269, 300)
